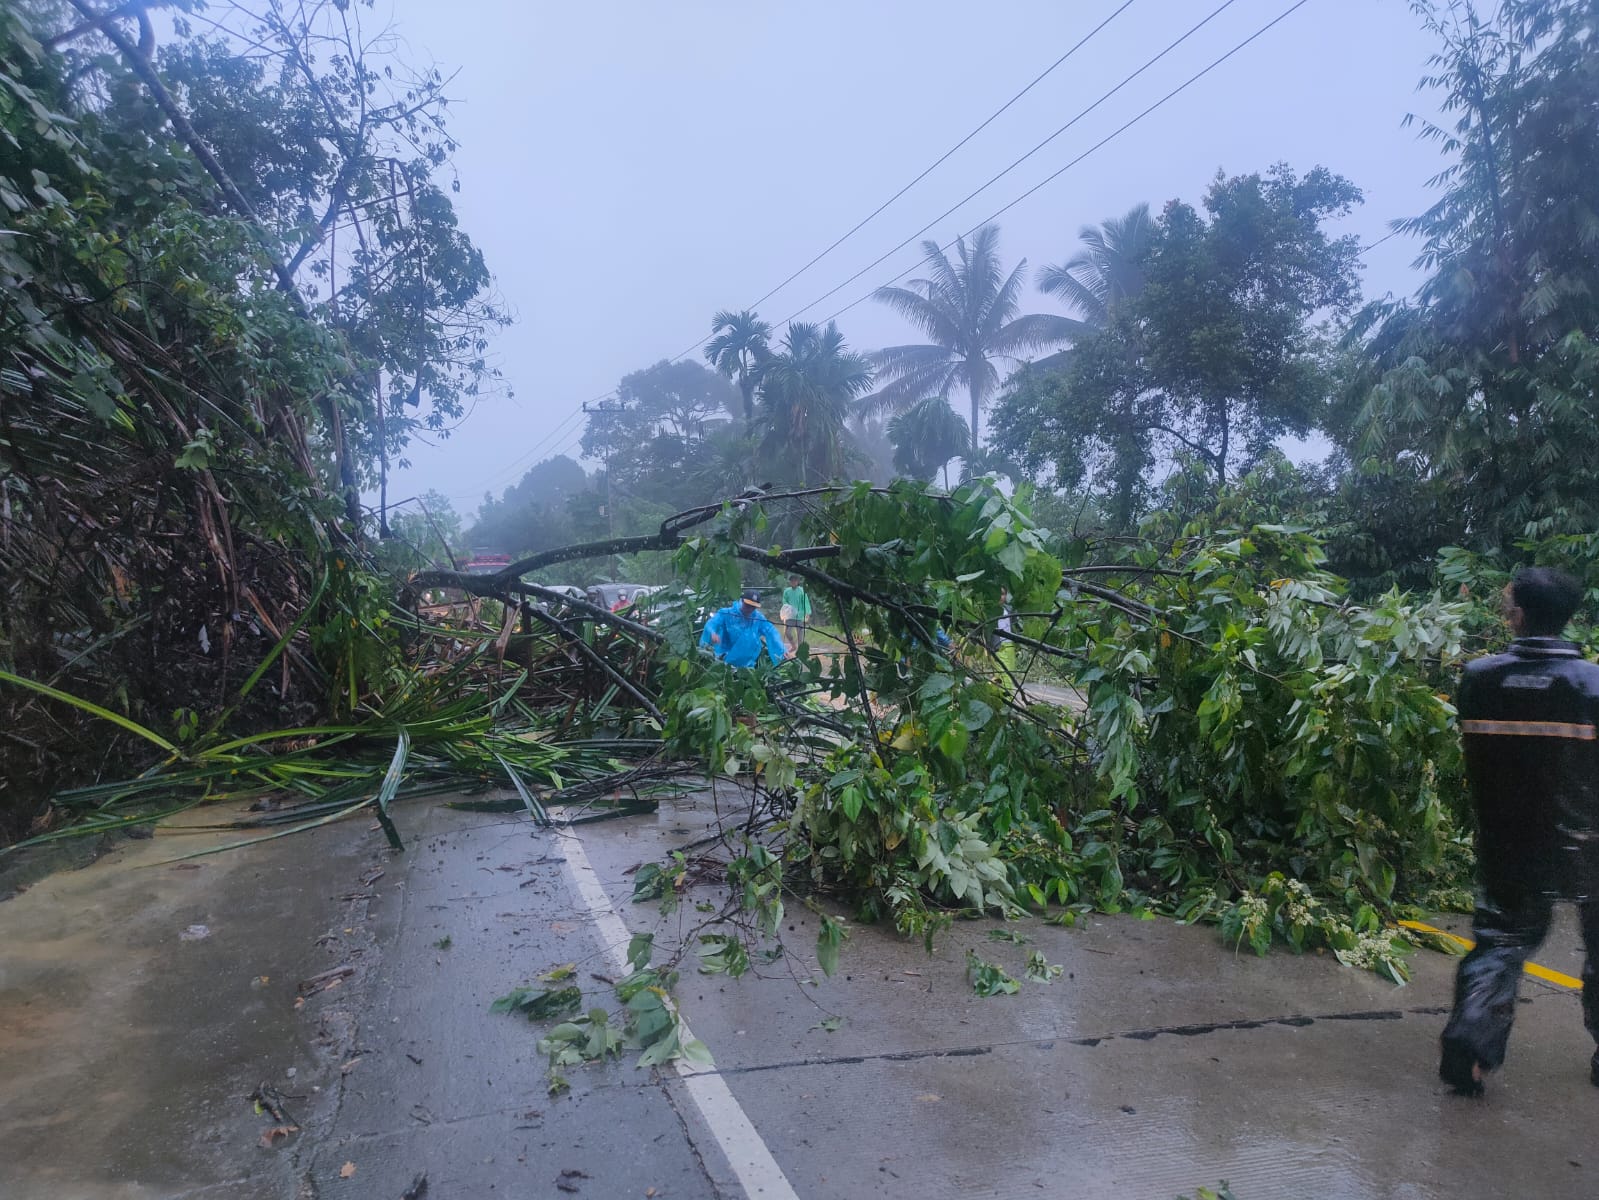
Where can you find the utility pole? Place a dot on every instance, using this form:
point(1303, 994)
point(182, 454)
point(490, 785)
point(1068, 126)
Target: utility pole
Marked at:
point(607, 408)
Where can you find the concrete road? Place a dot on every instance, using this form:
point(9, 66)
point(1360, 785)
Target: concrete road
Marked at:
point(142, 1001)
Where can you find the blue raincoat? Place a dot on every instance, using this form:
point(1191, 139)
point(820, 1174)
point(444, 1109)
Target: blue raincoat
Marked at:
point(740, 634)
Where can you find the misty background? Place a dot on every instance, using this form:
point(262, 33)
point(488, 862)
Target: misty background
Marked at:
point(628, 170)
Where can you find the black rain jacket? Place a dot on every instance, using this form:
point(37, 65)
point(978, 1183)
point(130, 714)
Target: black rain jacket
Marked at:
point(1529, 721)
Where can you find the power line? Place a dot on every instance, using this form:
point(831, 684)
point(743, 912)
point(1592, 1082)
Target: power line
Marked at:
point(1050, 178)
point(1192, 79)
point(509, 469)
point(992, 117)
point(571, 444)
point(1212, 15)
point(942, 158)
point(1226, 4)
point(1367, 249)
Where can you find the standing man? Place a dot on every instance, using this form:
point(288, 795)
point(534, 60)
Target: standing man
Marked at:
point(1528, 720)
point(736, 633)
point(796, 613)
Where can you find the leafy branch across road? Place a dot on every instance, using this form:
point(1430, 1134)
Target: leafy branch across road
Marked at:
point(1253, 748)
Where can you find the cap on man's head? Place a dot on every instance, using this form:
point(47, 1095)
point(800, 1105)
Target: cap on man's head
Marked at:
point(751, 596)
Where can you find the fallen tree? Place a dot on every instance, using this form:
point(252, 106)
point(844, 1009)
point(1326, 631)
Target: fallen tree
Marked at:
point(1249, 747)
point(1230, 739)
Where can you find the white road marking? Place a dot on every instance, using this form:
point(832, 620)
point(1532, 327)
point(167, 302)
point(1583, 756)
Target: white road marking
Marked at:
point(746, 1151)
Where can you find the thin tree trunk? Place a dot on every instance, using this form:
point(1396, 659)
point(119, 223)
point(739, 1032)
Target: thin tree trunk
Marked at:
point(1226, 438)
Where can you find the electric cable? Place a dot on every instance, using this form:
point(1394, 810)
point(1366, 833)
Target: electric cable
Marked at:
point(1048, 179)
point(510, 468)
point(1190, 81)
point(992, 117)
point(1364, 250)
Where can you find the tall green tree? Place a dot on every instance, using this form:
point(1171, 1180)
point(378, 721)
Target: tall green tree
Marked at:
point(1214, 358)
point(651, 436)
point(809, 390)
point(926, 436)
point(723, 463)
point(531, 514)
point(426, 533)
point(969, 309)
point(164, 466)
point(1485, 381)
point(336, 145)
point(739, 348)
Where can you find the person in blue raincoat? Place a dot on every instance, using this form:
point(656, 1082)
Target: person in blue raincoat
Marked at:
point(736, 633)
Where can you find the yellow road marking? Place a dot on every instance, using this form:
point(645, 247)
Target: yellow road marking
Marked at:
point(1531, 968)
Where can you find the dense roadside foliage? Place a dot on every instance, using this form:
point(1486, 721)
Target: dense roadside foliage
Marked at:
point(1486, 380)
point(180, 421)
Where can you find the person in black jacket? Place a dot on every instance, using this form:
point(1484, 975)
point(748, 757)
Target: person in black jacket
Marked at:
point(1529, 722)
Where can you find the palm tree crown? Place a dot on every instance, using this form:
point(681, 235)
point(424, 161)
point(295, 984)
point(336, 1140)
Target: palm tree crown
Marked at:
point(1107, 270)
point(926, 436)
point(738, 350)
point(967, 308)
point(808, 390)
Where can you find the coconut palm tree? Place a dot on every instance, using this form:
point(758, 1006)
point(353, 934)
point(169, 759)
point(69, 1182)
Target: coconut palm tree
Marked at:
point(968, 310)
point(1107, 270)
point(808, 390)
point(723, 462)
point(926, 436)
point(738, 350)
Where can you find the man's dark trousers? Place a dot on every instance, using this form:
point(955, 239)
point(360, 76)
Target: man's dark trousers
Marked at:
point(1486, 984)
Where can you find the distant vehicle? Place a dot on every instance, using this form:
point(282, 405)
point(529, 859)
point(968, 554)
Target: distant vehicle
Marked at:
point(565, 589)
point(483, 563)
point(671, 603)
point(615, 596)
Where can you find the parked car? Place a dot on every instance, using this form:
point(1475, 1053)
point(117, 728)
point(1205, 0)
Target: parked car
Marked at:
point(565, 589)
point(614, 596)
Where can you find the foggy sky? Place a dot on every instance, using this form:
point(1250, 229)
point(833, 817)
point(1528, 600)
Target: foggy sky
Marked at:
point(628, 168)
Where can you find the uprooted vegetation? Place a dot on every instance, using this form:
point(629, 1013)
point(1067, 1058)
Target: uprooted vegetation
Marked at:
point(1250, 749)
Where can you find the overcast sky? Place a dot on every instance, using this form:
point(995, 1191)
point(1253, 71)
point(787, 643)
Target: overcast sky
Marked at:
point(630, 167)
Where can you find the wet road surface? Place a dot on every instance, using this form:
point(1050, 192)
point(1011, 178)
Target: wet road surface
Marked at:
point(1158, 1062)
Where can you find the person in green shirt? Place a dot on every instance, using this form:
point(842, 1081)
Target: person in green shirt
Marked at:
point(796, 613)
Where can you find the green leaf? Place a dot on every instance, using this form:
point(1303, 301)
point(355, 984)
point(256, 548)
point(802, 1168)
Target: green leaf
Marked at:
point(1040, 970)
point(650, 883)
point(542, 1005)
point(662, 1050)
point(976, 714)
point(989, 979)
point(723, 954)
point(640, 948)
point(1014, 559)
point(96, 710)
point(828, 940)
point(1008, 935)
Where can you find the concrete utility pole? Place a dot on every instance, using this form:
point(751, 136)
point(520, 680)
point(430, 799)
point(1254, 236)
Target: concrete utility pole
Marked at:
point(608, 407)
